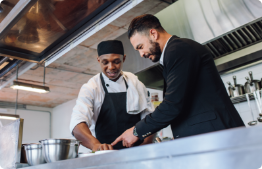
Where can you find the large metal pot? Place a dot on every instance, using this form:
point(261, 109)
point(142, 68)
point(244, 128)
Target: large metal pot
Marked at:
point(252, 85)
point(237, 89)
point(34, 154)
point(230, 89)
point(60, 149)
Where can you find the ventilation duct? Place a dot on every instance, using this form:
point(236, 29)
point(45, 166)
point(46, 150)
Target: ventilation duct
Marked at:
point(235, 40)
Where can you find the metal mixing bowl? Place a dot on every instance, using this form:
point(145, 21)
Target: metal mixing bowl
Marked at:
point(59, 149)
point(34, 154)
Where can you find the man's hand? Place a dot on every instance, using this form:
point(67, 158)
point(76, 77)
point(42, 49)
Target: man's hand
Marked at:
point(127, 138)
point(83, 134)
point(97, 147)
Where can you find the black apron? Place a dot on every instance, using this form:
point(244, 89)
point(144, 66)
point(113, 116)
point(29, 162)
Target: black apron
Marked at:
point(113, 118)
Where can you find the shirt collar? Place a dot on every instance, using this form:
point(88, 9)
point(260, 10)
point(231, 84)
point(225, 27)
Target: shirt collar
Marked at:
point(107, 80)
point(162, 55)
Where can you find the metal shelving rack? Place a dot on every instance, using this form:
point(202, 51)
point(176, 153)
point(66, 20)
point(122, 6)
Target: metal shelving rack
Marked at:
point(243, 98)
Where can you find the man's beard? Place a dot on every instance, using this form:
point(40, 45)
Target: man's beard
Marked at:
point(155, 51)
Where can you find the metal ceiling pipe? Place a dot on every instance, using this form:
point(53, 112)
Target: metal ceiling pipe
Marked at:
point(11, 77)
point(9, 67)
point(3, 60)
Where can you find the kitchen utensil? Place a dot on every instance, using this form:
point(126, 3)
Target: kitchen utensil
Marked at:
point(254, 122)
point(239, 89)
point(158, 140)
point(259, 96)
point(59, 149)
point(166, 139)
point(249, 87)
point(256, 82)
point(257, 101)
point(259, 119)
point(256, 95)
point(260, 104)
point(261, 82)
point(34, 154)
point(230, 89)
point(252, 85)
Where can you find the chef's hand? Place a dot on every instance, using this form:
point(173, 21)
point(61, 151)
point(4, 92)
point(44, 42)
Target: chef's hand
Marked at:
point(97, 147)
point(128, 139)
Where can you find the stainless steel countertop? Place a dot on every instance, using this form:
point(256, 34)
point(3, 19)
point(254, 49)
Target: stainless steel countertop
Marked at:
point(239, 148)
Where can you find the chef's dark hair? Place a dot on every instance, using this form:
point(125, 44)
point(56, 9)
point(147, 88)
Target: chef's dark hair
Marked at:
point(143, 23)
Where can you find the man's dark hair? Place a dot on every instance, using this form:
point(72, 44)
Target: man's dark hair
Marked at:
point(143, 23)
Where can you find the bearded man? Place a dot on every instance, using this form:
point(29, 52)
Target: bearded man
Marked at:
point(195, 99)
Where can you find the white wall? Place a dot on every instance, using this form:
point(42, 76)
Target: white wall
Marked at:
point(61, 116)
point(36, 123)
point(243, 108)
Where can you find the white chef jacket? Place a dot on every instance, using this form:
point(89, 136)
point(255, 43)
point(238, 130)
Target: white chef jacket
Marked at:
point(91, 97)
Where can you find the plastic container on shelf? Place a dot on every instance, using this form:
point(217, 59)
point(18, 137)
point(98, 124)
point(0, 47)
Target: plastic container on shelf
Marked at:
point(154, 97)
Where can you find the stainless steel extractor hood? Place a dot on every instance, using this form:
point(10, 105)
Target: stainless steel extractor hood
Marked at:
point(222, 26)
point(41, 30)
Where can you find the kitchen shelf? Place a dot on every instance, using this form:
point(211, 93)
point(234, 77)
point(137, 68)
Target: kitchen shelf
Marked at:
point(243, 98)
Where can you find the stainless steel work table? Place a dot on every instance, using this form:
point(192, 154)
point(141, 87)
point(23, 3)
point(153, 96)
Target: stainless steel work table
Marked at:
point(239, 148)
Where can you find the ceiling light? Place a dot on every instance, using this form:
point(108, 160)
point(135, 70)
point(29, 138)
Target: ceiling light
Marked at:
point(29, 87)
point(8, 116)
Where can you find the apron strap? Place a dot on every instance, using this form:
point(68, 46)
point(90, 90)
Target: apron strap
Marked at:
point(103, 83)
point(125, 83)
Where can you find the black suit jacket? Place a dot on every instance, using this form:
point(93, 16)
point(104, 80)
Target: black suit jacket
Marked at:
point(195, 100)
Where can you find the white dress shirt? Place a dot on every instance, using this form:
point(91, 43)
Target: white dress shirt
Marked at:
point(162, 55)
point(91, 97)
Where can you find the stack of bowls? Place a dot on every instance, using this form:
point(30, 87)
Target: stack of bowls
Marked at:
point(34, 154)
point(59, 149)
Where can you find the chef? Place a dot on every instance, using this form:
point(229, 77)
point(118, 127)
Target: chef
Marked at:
point(195, 99)
point(110, 102)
